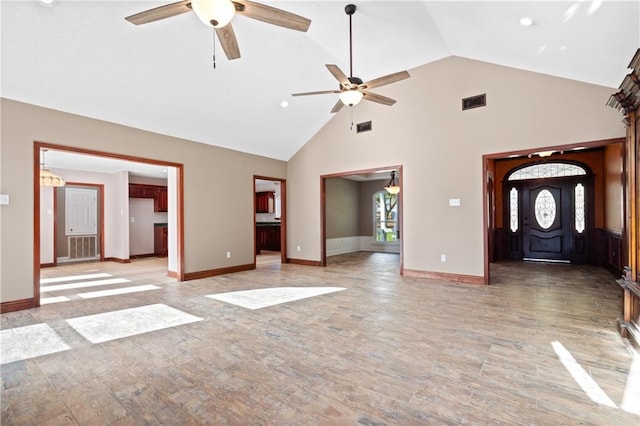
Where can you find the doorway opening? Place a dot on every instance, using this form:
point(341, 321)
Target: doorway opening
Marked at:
point(359, 215)
point(97, 230)
point(269, 221)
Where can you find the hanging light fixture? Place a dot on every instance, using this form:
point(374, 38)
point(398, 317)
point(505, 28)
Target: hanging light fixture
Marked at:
point(215, 13)
point(351, 97)
point(392, 187)
point(47, 178)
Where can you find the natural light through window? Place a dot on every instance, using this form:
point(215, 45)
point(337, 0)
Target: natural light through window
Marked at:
point(84, 284)
point(385, 217)
point(73, 278)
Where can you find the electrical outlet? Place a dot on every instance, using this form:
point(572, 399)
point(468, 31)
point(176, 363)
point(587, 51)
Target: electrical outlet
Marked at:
point(443, 258)
point(228, 255)
point(298, 248)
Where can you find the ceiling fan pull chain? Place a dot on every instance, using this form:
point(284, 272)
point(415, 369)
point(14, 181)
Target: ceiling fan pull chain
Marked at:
point(214, 48)
point(351, 115)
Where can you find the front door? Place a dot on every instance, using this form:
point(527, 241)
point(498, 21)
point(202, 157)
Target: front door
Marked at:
point(548, 212)
point(546, 222)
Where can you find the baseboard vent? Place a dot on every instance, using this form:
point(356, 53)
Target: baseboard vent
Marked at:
point(363, 127)
point(82, 246)
point(474, 102)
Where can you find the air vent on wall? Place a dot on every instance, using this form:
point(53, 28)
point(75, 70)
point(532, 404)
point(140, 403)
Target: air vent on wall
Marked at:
point(363, 127)
point(474, 102)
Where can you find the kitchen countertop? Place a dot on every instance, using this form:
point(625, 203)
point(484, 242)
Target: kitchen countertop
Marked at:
point(267, 223)
point(160, 224)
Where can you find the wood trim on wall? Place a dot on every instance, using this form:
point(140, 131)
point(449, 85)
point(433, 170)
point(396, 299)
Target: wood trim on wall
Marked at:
point(219, 271)
point(304, 262)
point(323, 208)
point(116, 259)
point(37, 146)
point(17, 305)
point(444, 276)
point(283, 216)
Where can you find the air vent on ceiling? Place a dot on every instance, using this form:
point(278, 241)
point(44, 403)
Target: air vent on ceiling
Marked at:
point(363, 127)
point(474, 102)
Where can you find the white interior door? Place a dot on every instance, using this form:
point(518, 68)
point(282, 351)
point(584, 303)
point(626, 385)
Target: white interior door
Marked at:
point(81, 211)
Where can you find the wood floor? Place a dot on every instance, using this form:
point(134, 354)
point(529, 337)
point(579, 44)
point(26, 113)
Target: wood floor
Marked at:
point(386, 350)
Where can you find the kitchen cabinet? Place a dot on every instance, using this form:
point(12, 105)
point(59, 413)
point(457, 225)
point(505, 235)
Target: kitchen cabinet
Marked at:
point(157, 193)
point(161, 202)
point(160, 241)
point(265, 202)
point(267, 237)
point(142, 191)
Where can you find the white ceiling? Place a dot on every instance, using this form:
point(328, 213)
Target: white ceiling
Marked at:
point(83, 57)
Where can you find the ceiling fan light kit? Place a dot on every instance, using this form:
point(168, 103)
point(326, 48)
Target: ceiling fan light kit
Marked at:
point(216, 13)
point(351, 97)
point(352, 89)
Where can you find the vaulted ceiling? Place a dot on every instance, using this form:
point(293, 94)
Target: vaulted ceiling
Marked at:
point(83, 57)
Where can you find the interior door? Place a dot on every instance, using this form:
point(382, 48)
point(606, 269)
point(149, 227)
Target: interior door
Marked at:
point(81, 211)
point(547, 212)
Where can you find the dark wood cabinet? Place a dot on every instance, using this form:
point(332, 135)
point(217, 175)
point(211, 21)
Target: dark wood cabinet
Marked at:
point(267, 238)
point(160, 241)
point(265, 202)
point(155, 192)
point(161, 200)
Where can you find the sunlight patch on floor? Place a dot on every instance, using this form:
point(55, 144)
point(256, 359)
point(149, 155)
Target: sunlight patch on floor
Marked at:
point(73, 278)
point(116, 291)
point(29, 342)
point(54, 299)
point(129, 322)
point(264, 297)
point(582, 378)
point(84, 284)
point(631, 399)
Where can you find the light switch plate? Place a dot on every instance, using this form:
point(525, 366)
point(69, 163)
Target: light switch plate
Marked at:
point(454, 202)
point(4, 199)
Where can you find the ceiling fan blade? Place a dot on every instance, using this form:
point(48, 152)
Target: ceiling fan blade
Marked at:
point(337, 107)
point(272, 15)
point(338, 74)
point(162, 12)
point(228, 41)
point(321, 92)
point(374, 97)
point(387, 79)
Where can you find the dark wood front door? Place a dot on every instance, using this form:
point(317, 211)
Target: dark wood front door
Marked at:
point(546, 221)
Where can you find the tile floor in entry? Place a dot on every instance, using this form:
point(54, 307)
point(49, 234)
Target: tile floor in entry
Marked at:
point(538, 346)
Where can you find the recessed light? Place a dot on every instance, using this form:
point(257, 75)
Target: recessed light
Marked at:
point(46, 2)
point(284, 104)
point(526, 21)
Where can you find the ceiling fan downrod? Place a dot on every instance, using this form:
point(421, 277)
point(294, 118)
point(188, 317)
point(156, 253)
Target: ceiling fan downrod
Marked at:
point(350, 9)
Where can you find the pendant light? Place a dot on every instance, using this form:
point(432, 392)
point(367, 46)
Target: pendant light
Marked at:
point(392, 187)
point(47, 178)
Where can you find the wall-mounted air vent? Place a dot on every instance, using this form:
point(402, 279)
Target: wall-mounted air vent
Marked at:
point(474, 102)
point(363, 127)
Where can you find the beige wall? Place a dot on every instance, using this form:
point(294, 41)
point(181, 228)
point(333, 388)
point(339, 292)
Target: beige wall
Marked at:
point(440, 148)
point(613, 177)
point(218, 218)
point(342, 208)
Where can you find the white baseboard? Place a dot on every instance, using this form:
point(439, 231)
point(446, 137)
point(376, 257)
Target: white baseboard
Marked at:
point(344, 245)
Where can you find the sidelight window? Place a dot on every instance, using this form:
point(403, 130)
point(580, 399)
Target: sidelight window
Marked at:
point(513, 209)
point(579, 208)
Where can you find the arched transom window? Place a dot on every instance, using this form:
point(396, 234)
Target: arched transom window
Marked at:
point(547, 170)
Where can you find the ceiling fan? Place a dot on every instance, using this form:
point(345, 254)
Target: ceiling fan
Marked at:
point(219, 13)
point(352, 90)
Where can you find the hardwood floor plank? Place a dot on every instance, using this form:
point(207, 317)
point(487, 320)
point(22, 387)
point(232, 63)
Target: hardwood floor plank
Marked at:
point(386, 350)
